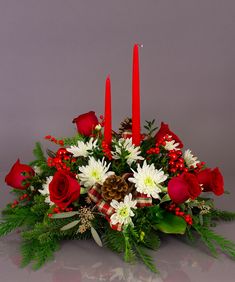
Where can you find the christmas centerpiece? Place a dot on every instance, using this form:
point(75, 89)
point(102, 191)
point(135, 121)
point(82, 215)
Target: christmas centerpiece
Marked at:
point(124, 189)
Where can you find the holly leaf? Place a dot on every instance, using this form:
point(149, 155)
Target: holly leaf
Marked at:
point(170, 224)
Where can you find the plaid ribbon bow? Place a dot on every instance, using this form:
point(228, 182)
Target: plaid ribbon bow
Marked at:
point(95, 195)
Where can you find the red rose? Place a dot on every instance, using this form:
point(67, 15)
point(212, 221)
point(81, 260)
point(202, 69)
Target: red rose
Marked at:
point(64, 189)
point(19, 173)
point(86, 123)
point(183, 187)
point(211, 180)
point(164, 130)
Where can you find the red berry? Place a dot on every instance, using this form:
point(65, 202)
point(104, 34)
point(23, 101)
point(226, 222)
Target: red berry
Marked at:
point(47, 137)
point(61, 152)
point(66, 158)
point(61, 142)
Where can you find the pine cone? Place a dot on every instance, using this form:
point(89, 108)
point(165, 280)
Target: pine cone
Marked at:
point(114, 187)
point(125, 126)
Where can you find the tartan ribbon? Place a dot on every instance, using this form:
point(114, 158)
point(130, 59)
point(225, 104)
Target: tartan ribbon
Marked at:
point(95, 195)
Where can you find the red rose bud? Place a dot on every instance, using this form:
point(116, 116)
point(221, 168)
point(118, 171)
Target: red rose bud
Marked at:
point(86, 123)
point(211, 180)
point(64, 189)
point(163, 131)
point(18, 174)
point(183, 187)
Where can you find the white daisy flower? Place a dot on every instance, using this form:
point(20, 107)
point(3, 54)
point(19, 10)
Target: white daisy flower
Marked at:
point(45, 190)
point(190, 159)
point(123, 210)
point(147, 180)
point(82, 149)
point(126, 145)
point(171, 145)
point(94, 172)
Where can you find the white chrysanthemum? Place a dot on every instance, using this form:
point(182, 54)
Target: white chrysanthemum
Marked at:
point(123, 210)
point(190, 159)
point(83, 148)
point(45, 190)
point(126, 145)
point(171, 145)
point(94, 172)
point(147, 180)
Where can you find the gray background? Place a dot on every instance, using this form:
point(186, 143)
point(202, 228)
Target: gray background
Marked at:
point(55, 55)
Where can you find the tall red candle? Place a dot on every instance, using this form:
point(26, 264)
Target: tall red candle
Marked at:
point(108, 113)
point(136, 98)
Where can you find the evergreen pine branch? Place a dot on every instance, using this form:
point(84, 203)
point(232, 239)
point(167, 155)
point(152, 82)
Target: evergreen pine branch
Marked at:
point(44, 252)
point(129, 252)
point(114, 240)
point(211, 239)
point(38, 152)
point(189, 236)
point(222, 215)
point(21, 216)
point(145, 258)
point(39, 207)
point(37, 251)
point(7, 227)
point(27, 252)
point(151, 240)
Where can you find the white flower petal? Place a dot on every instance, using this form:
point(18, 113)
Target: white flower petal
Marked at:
point(190, 159)
point(123, 212)
point(132, 150)
point(147, 179)
point(94, 172)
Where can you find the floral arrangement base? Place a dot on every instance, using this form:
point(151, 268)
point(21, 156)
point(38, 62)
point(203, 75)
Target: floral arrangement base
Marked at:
point(123, 196)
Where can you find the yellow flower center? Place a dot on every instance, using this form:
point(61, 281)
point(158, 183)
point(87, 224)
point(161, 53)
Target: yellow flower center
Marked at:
point(149, 181)
point(95, 174)
point(123, 212)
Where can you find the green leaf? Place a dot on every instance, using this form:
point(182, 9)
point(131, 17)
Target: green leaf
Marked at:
point(64, 214)
point(171, 224)
point(165, 198)
point(70, 225)
point(96, 237)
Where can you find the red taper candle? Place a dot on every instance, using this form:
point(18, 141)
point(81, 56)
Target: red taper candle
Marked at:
point(108, 113)
point(136, 97)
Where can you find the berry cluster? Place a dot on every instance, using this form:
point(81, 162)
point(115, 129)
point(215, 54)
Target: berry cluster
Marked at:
point(54, 140)
point(162, 141)
point(60, 162)
point(21, 198)
point(153, 150)
point(176, 162)
point(176, 210)
point(106, 150)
